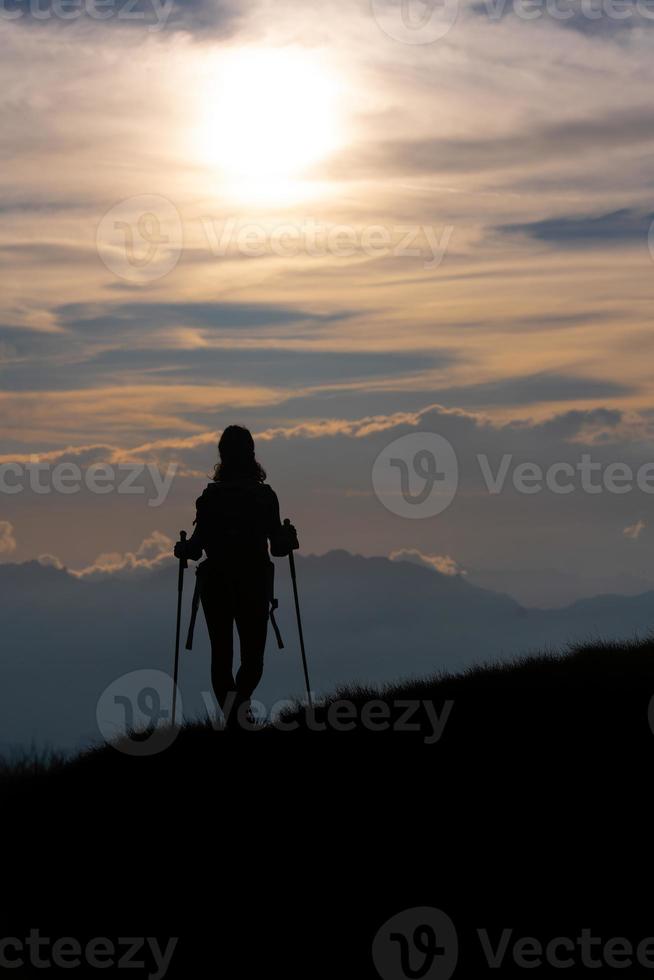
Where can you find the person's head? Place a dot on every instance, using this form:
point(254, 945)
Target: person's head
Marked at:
point(237, 459)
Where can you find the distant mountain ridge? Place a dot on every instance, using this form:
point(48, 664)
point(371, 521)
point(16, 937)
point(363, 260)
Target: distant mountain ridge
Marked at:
point(370, 620)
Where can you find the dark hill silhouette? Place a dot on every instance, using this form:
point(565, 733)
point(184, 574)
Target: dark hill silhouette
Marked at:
point(267, 850)
point(593, 695)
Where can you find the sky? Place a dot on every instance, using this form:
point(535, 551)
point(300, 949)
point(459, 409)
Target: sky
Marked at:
point(340, 226)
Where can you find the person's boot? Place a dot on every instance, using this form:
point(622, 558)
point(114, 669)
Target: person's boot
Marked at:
point(241, 717)
point(230, 707)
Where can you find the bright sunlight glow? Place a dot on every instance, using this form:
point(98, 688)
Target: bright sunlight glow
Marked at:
point(270, 113)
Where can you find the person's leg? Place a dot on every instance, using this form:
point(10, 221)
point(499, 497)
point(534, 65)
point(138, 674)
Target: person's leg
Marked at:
point(218, 606)
point(252, 610)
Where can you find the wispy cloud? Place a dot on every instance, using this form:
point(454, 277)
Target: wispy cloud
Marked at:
point(626, 226)
point(155, 551)
point(634, 531)
point(443, 564)
point(7, 539)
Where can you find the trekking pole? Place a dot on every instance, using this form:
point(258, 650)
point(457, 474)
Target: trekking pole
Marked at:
point(183, 564)
point(291, 561)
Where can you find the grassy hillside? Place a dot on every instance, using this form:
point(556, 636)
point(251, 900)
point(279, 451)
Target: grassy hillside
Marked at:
point(590, 697)
point(530, 812)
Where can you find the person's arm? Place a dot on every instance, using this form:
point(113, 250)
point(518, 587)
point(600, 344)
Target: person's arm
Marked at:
point(192, 548)
point(283, 537)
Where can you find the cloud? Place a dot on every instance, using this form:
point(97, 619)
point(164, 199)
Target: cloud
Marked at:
point(207, 364)
point(54, 416)
point(531, 389)
point(524, 146)
point(153, 552)
point(591, 19)
point(203, 18)
point(633, 531)
point(585, 425)
point(579, 426)
point(443, 564)
point(99, 318)
point(7, 539)
point(322, 471)
point(626, 226)
point(51, 561)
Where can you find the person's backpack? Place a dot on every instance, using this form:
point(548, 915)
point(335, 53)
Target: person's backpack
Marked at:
point(235, 520)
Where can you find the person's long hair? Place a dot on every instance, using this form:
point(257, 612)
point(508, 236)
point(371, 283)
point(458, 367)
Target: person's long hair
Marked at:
point(237, 460)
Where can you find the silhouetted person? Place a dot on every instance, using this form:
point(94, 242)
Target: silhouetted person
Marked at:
point(237, 515)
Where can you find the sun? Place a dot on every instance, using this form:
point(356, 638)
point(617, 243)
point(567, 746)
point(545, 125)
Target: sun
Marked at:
point(269, 114)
